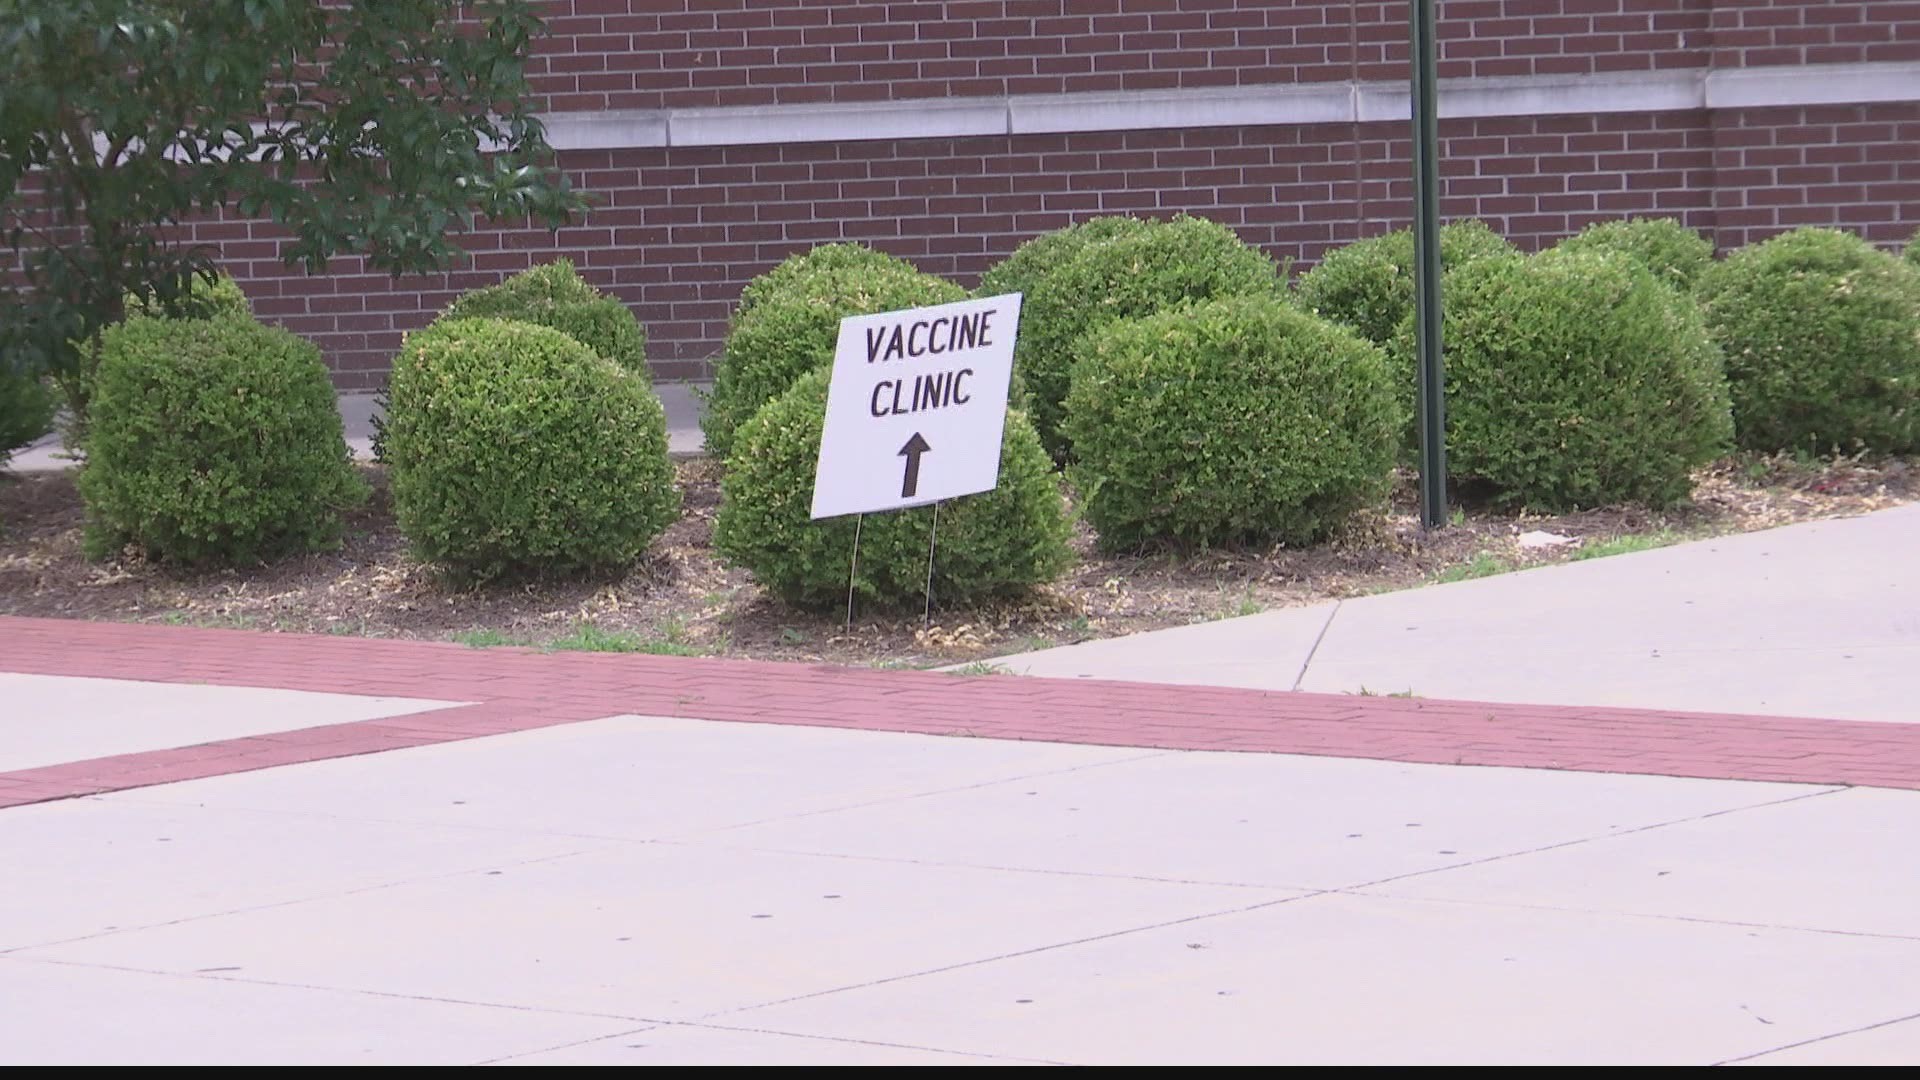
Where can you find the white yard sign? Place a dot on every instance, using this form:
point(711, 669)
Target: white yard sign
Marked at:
point(917, 406)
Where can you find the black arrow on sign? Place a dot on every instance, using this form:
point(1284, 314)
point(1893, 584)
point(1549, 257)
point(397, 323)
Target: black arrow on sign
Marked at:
point(910, 482)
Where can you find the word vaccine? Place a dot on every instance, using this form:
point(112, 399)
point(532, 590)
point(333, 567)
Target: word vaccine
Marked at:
point(926, 339)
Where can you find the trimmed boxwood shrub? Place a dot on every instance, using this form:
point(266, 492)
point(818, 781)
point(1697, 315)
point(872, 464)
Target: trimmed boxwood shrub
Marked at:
point(794, 273)
point(1368, 285)
point(204, 300)
point(1575, 379)
point(997, 542)
point(1163, 265)
point(556, 295)
point(1676, 254)
point(516, 451)
point(1040, 256)
point(27, 406)
point(1241, 420)
point(213, 441)
point(1821, 333)
point(791, 331)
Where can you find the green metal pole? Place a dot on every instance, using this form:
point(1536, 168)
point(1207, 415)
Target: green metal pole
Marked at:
point(1426, 257)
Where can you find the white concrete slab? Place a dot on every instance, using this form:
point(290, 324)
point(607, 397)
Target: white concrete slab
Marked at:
point(1267, 650)
point(659, 931)
point(90, 866)
point(1256, 819)
point(648, 891)
point(58, 1014)
point(1897, 1043)
point(1347, 979)
point(50, 719)
point(1843, 862)
point(1853, 683)
point(1820, 619)
point(636, 778)
point(683, 1044)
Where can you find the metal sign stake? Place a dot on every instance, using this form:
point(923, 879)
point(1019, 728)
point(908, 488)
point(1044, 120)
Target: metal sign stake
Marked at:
point(853, 565)
point(926, 613)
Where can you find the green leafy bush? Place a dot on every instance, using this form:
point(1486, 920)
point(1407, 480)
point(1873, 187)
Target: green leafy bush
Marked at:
point(516, 451)
point(27, 406)
point(791, 331)
point(1368, 285)
point(1000, 541)
point(1676, 254)
point(1575, 379)
point(1040, 256)
point(1163, 265)
point(1241, 420)
point(1821, 333)
point(1912, 253)
point(796, 271)
point(213, 441)
point(204, 300)
point(555, 295)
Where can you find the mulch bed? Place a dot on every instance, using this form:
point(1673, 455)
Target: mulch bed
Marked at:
point(684, 599)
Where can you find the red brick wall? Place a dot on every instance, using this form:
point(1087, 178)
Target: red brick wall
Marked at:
point(1759, 32)
point(643, 54)
point(679, 230)
point(684, 228)
point(1849, 166)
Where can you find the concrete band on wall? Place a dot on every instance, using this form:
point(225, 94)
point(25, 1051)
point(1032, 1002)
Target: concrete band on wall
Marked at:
point(1253, 106)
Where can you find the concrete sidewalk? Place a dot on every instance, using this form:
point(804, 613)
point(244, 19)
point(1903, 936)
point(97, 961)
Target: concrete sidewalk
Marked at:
point(1821, 619)
point(357, 410)
point(645, 890)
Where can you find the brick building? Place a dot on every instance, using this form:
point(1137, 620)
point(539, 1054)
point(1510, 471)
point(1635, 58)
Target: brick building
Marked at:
point(721, 135)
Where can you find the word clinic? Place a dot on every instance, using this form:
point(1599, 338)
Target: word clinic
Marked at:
point(895, 397)
point(929, 337)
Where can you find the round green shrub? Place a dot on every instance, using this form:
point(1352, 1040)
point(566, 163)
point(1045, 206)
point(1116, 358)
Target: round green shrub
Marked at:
point(27, 407)
point(556, 296)
point(792, 331)
point(997, 542)
point(1040, 256)
point(1163, 265)
point(1676, 254)
point(204, 300)
point(1368, 285)
point(1575, 379)
point(1241, 420)
point(1821, 333)
point(213, 441)
point(516, 451)
point(1912, 253)
point(796, 271)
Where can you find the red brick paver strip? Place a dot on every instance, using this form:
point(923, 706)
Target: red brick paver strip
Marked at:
point(520, 689)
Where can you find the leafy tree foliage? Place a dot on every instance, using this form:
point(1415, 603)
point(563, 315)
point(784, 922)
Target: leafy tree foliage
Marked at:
point(370, 127)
